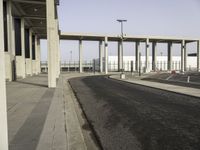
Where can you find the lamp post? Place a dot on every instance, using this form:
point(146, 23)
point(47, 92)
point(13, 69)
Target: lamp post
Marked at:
point(121, 21)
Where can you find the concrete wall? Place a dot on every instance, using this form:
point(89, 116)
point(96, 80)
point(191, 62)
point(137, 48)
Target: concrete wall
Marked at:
point(20, 67)
point(161, 62)
point(28, 67)
point(8, 67)
point(34, 67)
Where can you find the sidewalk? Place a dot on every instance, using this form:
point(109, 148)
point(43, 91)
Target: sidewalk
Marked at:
point(40, 118)
point(172, 88)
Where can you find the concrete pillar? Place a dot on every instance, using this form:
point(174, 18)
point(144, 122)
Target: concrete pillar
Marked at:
point(106, 54)
point(182, 56)
point(20, 60)
point(57, 61)
point(147, 56)
point(80, 56)
point(198, 56)
point(185, 57)
point(3, 106)
point(169, 57)
point(137, 51)
point(9, 56)
point(38, 56)
point(120, 56)
point(154, 56)
point(51, 41)
point(100, 56)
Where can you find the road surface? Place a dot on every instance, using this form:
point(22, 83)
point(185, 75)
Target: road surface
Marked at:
point(126, 116)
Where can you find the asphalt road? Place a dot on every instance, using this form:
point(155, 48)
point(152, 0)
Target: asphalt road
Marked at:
point(132, 117)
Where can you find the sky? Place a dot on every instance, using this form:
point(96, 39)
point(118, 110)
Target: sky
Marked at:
point(178, 18)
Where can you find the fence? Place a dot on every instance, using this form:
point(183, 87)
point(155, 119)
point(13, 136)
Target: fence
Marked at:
point(112, 65)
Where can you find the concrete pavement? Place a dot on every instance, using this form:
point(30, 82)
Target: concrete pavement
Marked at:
point(40, 118)
point(168, 87)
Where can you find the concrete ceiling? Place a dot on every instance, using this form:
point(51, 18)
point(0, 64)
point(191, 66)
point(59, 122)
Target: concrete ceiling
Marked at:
point(34, 13)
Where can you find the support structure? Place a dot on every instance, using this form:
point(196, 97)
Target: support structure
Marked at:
point(3, 106)
point(120, 56)
point(198, 56)
point(154, 56)
point(38, 56)
point(101, 56)
point(9, 56)
point(106, 54)
point(183, 56)
point(80, 57)
point(51, 39)
point(137, 52)
point(147, 56)
point(169, 57)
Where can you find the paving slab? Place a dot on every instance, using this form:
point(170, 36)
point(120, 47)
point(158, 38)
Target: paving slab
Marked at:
point(40, 118)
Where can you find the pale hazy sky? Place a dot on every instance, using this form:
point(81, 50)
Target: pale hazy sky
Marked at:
point(177, 18)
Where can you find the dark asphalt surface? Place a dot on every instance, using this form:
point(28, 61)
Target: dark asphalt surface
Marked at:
point(132, 117)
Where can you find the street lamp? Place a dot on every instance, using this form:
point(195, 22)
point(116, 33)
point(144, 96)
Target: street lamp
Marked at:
point(121, 21)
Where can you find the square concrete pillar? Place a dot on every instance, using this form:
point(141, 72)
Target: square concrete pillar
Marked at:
point(80, 56)
point(58, 49)
point(106, 54)
point(137, 52)
point(198, 56)
point(29, 67)
point(3, 106)
point(38, 56)
point(120, 56)
point(101, 56)
point(20, 60)
point(169, 57)
point(51, 42)
point(9, 56)
point(154, 56)
point(185, 57)
point(182, 56)
point(147, 56)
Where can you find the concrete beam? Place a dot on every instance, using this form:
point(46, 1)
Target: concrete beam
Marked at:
point(101, 56)
point(30, 2)
point(137, 52)
point(51, 38)
point(198, 56)
point(120, 56)
point(154, 56)
point(80, 56)
point(3, 105)
point(106, 54)
point(169, 57)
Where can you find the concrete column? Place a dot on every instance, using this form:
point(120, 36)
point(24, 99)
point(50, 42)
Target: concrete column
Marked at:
point(198, 56)
point(38, 56)
point(147, 56)
point(169, 56)
point(154, 56)
point(185, 57)
point(57, 61)
point(106, 54)
point(3, 106)
point(51, 41)
point(120, 59)
point(80, 57)
point(9, 56)
point(137, 51)
point(100, 56)
point(30, 40)
point(182, 56)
